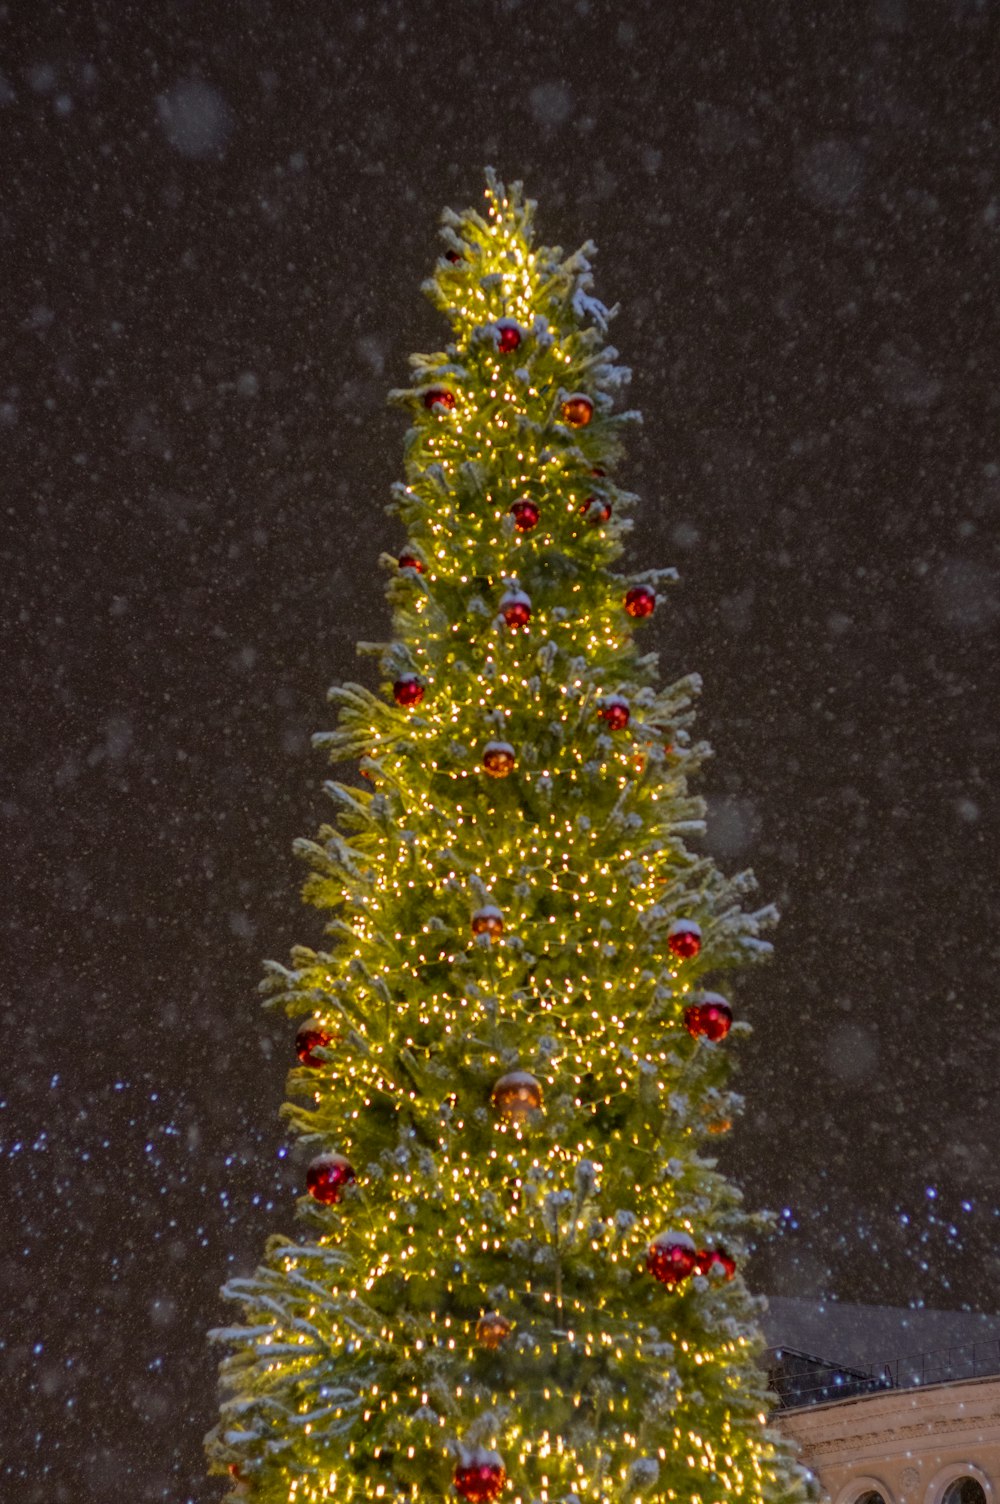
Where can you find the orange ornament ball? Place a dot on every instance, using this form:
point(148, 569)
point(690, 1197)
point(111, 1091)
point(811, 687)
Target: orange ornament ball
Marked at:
point(492, 1330)
point(488, 921)
point(577, 410)
point(499, 759)
point(517, 1095)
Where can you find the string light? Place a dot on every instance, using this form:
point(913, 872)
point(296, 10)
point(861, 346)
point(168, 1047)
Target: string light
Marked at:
point(488, 929)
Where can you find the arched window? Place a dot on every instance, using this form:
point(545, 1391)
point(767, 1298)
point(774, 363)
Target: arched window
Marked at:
point(964, 1491)
point(871, 1496)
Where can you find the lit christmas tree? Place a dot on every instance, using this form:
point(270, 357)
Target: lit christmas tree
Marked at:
point(520, 1275)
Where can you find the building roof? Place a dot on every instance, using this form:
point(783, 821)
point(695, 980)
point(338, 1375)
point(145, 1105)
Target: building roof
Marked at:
point(859, 1336)
point(870, 1348)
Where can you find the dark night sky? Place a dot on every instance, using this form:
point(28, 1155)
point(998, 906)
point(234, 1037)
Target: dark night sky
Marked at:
point(214, 224)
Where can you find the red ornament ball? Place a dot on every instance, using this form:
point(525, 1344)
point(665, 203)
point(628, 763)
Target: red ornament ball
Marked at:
point(480, 1477)
point(452, 256)
point(710, 1258)
point(411, 561)
point(725, 1262)
point(515, 608)
point(508, 338)
point(525, 514)
point(684, 939)
point(711, 1018)
point(615, 712)
point(328, 1177)
point(577, 410)
point(313, 1034)
point(499, 759)
point(408, 691)
point(671, 1257)
point(487, 921)
point(439, 396)
point(640, 601)
point(596, 510)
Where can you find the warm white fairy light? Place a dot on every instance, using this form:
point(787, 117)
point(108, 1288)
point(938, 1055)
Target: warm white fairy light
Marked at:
point(359, 1372)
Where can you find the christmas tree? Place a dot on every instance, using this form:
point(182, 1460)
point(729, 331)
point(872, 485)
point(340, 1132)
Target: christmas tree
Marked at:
point(519, 1273)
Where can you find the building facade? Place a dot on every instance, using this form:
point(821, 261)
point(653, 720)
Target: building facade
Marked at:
point(924, 1429)
point(934, 1445)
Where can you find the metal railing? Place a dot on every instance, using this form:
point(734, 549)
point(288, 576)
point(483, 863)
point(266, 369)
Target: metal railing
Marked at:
point(797, 1378)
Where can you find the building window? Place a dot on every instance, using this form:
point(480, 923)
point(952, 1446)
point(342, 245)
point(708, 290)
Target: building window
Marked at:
point(871, 1496)
point(964, 1491)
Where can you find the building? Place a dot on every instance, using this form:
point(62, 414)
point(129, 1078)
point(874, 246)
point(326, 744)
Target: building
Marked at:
point(921, 1428)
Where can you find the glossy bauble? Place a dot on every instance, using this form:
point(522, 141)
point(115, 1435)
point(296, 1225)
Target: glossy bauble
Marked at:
point(708, 1259)
point(517, 1095)
point(328, 1177)
point(724, 1261)
point(242, 1489)
point(408, 691)
point(640, 601)
point(709, 1018)
point(508, 338)
point(488, 921)
point(684, 939)
point(312, 1034)
point(577, 410)
point(671, 1257)
point(499, 759)
point(515, 608)
point(525, 514)
point(439, 396)
point(480, 1476)
point(615, 712)
point(492, 1330)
